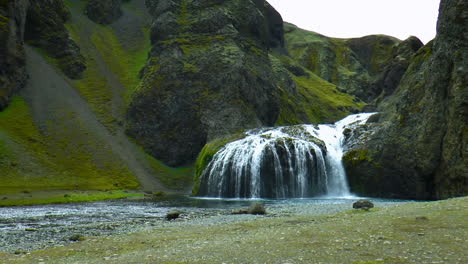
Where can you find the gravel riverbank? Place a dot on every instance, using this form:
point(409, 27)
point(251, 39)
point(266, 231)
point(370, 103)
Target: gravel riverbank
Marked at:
point(25, 229)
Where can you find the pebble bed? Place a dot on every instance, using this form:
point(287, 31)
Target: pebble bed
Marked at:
point(26, 229)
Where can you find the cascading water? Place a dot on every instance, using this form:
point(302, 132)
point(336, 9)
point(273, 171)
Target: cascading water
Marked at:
point(283, 162)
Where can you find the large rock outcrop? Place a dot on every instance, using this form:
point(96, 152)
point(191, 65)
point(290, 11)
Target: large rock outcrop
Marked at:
point(12, 59)
point(104, 11)
point(41, 24)
point(45, 29)
point(418, 149)
point(209, 75)
point(216, 68)
point(390, 74)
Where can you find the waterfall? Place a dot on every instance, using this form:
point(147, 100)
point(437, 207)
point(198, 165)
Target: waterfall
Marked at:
point(282, 162)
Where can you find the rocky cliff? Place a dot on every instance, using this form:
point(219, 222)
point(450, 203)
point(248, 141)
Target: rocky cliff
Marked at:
point(41, 24)
point(368, 68)
point(216, 68)
point(121, 91)
point(12, 61)
point(418, 147)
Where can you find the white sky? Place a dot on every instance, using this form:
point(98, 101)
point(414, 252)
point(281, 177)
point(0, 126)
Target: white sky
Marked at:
point(357, 18)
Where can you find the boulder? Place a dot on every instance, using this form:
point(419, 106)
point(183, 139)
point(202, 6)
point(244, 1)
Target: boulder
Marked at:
point(257, 209)
point(363, 204)
point(172, 215)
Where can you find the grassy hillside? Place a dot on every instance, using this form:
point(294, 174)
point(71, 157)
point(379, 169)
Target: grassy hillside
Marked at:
point(32, 161)
point(63, 134)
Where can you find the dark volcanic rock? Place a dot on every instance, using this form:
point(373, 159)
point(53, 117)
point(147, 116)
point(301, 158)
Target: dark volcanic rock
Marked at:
point(419, 147)
point(41, 24)
point(103, 11)
point(373, 51)
point(45, 29)
point(363, 204)
point(12, 59)
point(209, 75)
point(390, 77)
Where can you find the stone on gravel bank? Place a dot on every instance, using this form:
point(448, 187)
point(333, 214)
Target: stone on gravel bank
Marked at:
point(363, 204)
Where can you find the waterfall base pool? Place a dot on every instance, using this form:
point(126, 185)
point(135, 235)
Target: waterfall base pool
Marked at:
point(42, 226)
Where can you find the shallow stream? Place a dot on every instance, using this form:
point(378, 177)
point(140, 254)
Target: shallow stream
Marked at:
point(36, 227)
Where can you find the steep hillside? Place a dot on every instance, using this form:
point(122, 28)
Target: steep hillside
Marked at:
point(366, 67)
point(60, 133)
point(418, 149)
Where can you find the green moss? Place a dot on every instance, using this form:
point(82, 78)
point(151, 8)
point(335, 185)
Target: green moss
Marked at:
point(361, 211)
point(419, 58)
point(317, 101)
point(113, 70)
point(184, 15)
point(125, 63)
point(358, 156)
point(207, 154)
point(4, 21)
point(173, 178)
point(381, 54)
point(58, 161)
point(65, 197)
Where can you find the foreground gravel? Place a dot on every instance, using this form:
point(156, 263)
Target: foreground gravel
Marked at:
point(26, 229)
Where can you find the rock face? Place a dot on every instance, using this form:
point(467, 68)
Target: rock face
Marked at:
point(12, 59)
point(103, 11)
point(209, 75)
point(363, 67)
point(418, 149)
point(45, 29)
point(41, 24)
point(390, 75)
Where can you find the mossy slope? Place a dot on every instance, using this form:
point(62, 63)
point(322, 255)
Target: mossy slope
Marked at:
point(31, 160)
point(52, 141)
point(353, 65)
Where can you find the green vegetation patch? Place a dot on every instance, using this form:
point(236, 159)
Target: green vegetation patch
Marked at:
point(32, 161)
point(125, 63)
point(317, 101)
point(207, 154)
point(63, 197)
point(4, 21)
point(355, 157)
point(173, 178)
point(113, 68)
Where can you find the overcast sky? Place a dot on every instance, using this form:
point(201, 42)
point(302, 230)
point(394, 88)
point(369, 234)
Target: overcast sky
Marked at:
point(356, 18)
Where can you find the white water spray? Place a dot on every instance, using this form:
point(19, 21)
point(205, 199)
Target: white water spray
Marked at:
point(283, 162)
